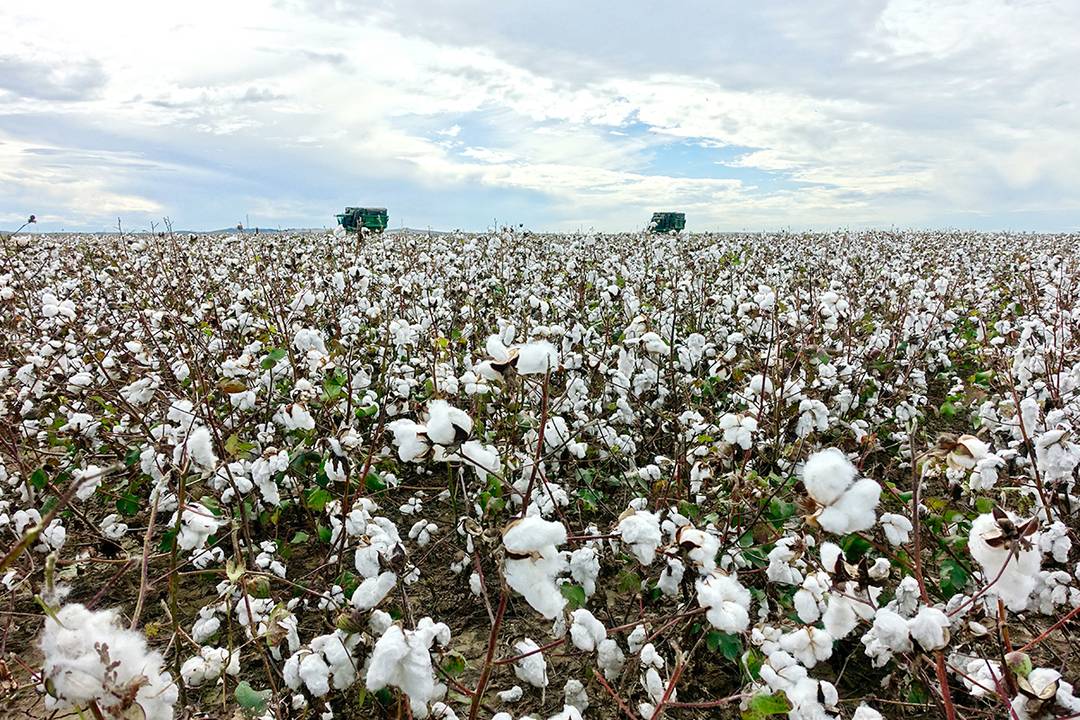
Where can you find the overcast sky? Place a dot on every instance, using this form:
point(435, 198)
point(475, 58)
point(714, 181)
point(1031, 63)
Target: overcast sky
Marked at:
point(556, 114)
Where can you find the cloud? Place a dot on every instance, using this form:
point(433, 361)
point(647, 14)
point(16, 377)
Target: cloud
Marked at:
point(880, 112)
point(51, 78)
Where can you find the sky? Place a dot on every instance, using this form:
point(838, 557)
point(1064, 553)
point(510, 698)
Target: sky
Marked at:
point(561, 115)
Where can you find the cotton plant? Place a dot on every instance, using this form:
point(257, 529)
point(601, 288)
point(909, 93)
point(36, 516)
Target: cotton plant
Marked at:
point(533, 562)
point(846, 504)
point(90, 659)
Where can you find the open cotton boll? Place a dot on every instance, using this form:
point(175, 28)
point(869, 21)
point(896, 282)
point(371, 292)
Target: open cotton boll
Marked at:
point(512, 695)
point(586, 632)
point(930, 628)
point(447, 425)
point(411, 439)
point(199, 448)
point(197, 524)
point(809, 645)
point(402, 658)
point(371, 591)
point(90, 657)
point(854, 511)
point(728, 602)
point(897, 528)
point(640, 529)
point(533, 561)
point(610, 658)
point(1017, 571)
point(827, 474)
point(89, 479)
point(865, 712)
point(537, 358)
point(532, 668)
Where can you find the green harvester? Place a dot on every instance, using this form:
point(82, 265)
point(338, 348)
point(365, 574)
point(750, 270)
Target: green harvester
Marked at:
point(355, 218)
point(663, 222)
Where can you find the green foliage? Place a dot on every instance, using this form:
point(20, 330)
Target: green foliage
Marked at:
point(763, 706)
point(251, 700)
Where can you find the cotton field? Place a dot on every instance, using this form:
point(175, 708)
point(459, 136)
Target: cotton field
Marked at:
point(555, 477)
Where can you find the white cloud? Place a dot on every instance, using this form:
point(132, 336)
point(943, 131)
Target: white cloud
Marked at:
point(897, 114)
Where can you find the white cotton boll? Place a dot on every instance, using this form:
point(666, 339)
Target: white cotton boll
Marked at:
point(897, 528)
point(585, 569)
point(537, 358)
point(827, 474)
point(90, 657)
point(865, 712)
point(447, 425)
point(1017, 573)
point(314, 673)
point(830, 555)
point(410, 438)
point(641, 531)
point(854, 511)
point(200, 449)
point(569, 712)
point(533, 561)
point(575, 697)
point(728, 602)
point(930, 628)
point(197, 524)
point(402, 658)
point(809, 645)
point(671, 577)
point(880, 569)
point(586, 632)
point(371, 591)
point(512, 695)
point(610, 658)
point(1055, 541)
point(205, 626)
point(89, 479)
point(531, 669)
point(888, 635)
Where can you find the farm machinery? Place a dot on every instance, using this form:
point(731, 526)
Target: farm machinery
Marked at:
point(357, 219)
point(663, 222)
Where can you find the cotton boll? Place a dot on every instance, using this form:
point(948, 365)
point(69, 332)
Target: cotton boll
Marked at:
point(930, 628)
point(809, 645)
point(531, 669)
point(537, 358)
point(197, 524)
point(533, 562)
point(854, 511)
point(576, 698)
point(640, 530)
point(402, 658)
point(512, 695)
point(372, 590)
point(728, 602)
point(897, 528)
point(1017, 572)
point(865, 712)
point(586, 632)
point(610, 658)
point(827, 474)
point(90, 657)
point(447, 425)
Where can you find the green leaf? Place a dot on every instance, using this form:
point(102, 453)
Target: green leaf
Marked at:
point(128, 505)
point(984, 505)
point(132, 457)
point(762, 706)
point(373, 482)
point(272, 358)
point(317, 499)
point(252, 700)
point(39, 479)
point(324, 534)
point(168, 540)
point(730, 646)
point(300, 538)
point(954, 577)
point(454, 663)
point(574, 594)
